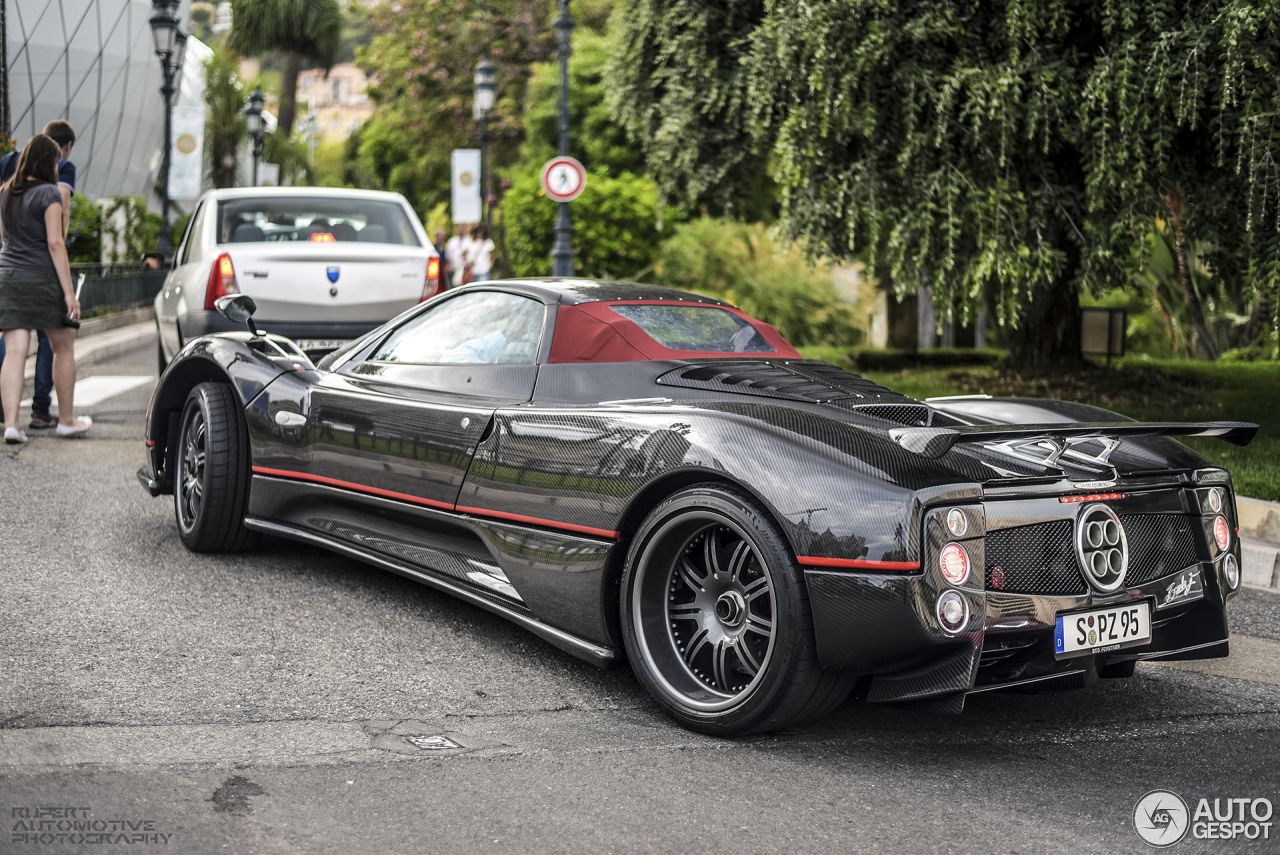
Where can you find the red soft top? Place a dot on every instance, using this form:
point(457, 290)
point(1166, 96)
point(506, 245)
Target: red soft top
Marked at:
point(593, 332)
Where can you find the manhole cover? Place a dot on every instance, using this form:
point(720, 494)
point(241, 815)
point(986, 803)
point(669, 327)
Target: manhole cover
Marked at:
point(431, 743)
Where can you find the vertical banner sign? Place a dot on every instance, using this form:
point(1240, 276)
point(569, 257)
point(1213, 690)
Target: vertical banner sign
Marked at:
point(466, 185)
point(268, 175)
point(186, 160)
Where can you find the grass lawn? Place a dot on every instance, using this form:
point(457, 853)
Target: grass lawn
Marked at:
point(1145, 389)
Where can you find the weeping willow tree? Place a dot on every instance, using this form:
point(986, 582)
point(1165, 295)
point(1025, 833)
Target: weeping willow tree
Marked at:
point(1015, 151)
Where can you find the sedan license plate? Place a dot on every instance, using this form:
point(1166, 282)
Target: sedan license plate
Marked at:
point(1102, 629)
point(321, 343)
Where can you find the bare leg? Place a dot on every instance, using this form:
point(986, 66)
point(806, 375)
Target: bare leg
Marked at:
point(16, 343)
point(63, 341)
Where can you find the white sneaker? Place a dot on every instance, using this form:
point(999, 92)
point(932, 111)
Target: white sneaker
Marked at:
point(71, 430)
point(13, 436)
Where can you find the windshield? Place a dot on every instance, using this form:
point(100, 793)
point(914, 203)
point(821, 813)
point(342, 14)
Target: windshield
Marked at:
point(703, 328)
point(315, 219)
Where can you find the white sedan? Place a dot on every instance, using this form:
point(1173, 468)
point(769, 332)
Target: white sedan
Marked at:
point(323, 265)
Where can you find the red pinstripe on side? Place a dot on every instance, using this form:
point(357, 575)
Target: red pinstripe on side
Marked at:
point(405, 497)
point(334, 482)
point(857, 563)
point(599, 532)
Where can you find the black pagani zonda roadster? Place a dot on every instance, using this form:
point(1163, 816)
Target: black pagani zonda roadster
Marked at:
point(634, 473)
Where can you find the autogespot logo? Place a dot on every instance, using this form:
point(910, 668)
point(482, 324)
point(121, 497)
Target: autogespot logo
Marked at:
point(1160, 818)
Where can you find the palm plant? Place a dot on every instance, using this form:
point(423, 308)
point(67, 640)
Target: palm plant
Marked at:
point(298, 28)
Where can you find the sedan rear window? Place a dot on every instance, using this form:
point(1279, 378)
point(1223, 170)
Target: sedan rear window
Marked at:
point(315, 219)
point(702, 328)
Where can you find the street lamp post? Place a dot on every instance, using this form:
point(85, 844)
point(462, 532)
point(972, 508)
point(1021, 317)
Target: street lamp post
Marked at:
point(253, 121)
point(562, 254)
point(486, 92)
point(170, 45)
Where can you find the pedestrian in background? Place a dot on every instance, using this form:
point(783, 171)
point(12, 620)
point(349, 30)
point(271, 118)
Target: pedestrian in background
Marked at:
point(442, 250)
point(480, 255)
point(35, 284)
point(65, 136)
point(455, 249)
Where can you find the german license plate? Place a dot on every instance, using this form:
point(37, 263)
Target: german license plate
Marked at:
point(321, 343)
point(1102, 629)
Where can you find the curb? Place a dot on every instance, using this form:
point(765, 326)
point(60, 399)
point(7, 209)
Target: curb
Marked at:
point(1258, 519)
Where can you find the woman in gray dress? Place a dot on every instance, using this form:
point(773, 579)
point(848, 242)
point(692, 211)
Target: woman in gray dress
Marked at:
point(35, 284)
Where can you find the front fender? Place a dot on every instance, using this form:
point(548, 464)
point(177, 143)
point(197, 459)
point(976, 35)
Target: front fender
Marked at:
point(237, 359)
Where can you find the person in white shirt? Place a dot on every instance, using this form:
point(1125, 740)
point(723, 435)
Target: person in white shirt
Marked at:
point(455, 254)
point(480, 255)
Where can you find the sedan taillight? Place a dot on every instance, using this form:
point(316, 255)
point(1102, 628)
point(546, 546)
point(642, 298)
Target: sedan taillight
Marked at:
point(222, 281)
point(432, 287)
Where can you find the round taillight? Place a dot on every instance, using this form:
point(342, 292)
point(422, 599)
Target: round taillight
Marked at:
point(1215, 500)
point(954, 562)
point(957, 522)
point(953, 611)
point(1221, 533)
point(1231, 570)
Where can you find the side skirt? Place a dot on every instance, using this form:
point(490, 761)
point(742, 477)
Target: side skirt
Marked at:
point(601, 657)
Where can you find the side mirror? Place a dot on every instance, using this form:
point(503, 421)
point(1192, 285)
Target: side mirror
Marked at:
point(239, 309)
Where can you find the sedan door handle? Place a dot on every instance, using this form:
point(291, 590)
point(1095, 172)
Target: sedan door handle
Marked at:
point(284, 418)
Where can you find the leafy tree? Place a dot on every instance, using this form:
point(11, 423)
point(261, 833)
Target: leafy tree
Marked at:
point(224, 124)
point(596, 137)
point(425, 55)
point(680, 85)
point(299, 28)
point(1015, 150)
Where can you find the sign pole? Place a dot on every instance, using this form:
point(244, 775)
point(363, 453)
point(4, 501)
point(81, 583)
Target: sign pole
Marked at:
point(562, 254)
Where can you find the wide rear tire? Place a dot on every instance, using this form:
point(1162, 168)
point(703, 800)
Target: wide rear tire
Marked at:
point(211, 473)
point(716, 619)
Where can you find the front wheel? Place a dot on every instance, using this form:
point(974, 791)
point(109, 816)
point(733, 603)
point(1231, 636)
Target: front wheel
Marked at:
point(211, 473)
point(716, 619)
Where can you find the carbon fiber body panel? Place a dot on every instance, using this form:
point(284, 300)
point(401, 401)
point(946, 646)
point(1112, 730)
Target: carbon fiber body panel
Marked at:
point(518, 486)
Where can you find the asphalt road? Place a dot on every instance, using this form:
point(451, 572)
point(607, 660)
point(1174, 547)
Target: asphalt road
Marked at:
point(261, 703)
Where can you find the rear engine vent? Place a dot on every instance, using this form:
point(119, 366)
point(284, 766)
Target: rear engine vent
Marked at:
point(1033, 559)
point(813, 382)
point(902, 414)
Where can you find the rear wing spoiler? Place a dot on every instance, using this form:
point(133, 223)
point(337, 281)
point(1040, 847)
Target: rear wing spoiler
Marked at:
point(933, 442)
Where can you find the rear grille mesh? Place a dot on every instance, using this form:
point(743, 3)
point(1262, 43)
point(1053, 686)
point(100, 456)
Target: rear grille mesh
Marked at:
point(1040, 559)
point(1033, 559)
point(1159, 544)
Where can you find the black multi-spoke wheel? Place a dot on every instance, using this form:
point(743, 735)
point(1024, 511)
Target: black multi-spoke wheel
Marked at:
point(211, 473)
point(716, 618)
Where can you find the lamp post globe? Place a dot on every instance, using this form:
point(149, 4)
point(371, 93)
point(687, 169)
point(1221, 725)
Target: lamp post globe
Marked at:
point(486, 92)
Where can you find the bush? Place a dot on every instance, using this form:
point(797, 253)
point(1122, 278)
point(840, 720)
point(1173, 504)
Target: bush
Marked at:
point(84, 237)
point(744, 264)
point(615, 226)
point(128, 229)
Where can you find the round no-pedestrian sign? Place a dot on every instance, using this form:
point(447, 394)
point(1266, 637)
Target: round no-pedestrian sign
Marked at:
point(563, 179)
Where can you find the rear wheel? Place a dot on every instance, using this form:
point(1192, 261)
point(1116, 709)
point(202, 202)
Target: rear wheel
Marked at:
point(716, 619)
point(211, 473)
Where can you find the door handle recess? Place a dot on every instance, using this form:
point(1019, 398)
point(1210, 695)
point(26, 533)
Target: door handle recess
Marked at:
point(284, 418)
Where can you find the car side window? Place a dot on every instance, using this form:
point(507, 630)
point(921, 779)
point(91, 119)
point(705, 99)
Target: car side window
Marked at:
point(191, 248)
point(483, 327)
